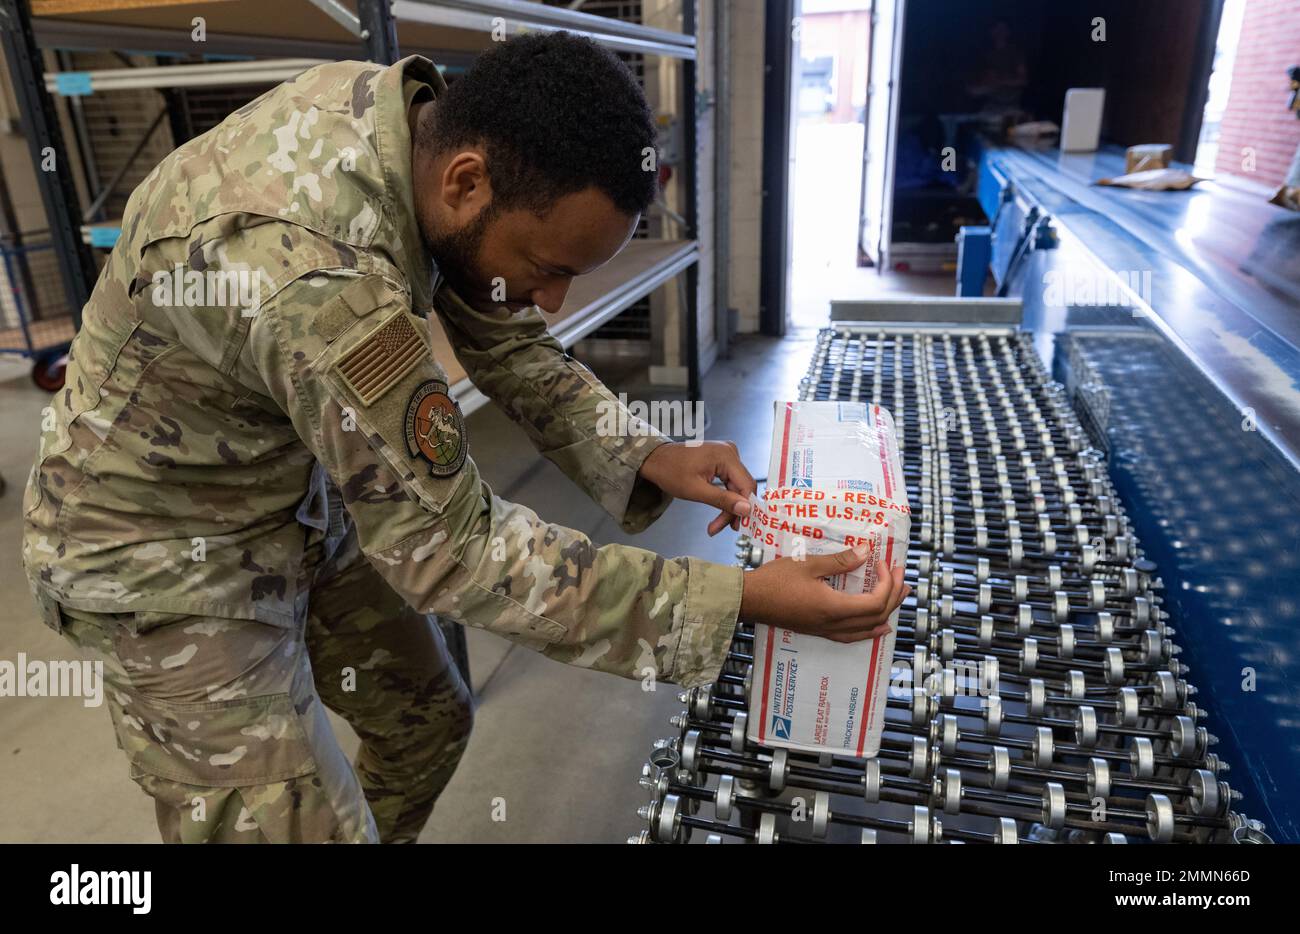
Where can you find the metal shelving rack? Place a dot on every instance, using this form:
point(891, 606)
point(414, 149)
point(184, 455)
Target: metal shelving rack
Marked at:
point(42, 340)
point(451, 31)
point(645, 264)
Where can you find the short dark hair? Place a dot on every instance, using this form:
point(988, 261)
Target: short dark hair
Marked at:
point(556, 113)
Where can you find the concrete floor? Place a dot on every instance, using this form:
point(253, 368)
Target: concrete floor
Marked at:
point(562, 746)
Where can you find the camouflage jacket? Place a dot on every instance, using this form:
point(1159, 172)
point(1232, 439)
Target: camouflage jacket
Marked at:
point(254, 371)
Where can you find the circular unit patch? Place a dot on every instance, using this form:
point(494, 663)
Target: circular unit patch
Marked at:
point(435, 429)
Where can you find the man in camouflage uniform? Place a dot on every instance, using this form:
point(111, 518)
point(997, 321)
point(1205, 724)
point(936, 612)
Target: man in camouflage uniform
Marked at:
point(253, 490)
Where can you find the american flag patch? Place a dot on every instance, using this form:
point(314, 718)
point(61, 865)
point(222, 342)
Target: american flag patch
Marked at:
point(382, 359)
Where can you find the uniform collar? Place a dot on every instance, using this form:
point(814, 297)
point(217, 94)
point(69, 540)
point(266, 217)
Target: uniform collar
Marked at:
point(393, 140)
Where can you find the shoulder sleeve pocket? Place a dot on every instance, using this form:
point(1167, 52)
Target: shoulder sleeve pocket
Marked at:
point(393, 394)
point(357, 300)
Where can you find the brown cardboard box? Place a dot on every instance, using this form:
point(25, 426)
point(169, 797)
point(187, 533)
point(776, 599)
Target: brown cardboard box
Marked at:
point(1147, 156)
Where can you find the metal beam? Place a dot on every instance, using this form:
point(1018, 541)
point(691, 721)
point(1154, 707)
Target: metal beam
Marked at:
point(774, 281)
point(179, 116)
point(601, 29)
point(108, 189)
point(529, 13)
point(379, 30)
point(208, 74)
point(928, 309)
point(722, 176)
point(690, 182)
point(340, 14)
point(73, 34)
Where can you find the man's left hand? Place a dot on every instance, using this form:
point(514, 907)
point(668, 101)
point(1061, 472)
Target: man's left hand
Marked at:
point(688, 472)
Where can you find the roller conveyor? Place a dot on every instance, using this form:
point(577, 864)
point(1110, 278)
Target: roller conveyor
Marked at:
point(1037, 693)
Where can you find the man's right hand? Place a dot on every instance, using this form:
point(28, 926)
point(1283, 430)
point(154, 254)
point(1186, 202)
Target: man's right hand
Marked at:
point(793, 594)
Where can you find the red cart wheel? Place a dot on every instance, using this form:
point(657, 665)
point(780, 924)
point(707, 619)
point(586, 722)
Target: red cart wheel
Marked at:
point(48, 372)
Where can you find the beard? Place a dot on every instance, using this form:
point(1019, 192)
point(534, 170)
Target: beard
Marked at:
point(456, 254)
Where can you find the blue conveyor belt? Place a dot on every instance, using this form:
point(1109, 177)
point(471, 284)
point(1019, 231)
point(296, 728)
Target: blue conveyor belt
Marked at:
point(1203, 390)
point(1225, 270)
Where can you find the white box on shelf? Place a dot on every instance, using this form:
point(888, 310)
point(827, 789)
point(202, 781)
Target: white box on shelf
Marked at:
point(1081, 122)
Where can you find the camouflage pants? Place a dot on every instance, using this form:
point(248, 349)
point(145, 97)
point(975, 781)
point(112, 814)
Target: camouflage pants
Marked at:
point(223, 723)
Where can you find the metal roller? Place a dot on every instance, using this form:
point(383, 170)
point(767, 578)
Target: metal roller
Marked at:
point(1046, 700)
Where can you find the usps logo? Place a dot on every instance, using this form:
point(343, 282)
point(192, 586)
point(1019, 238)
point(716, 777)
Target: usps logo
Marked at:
point(803, 482)
point(781, 727)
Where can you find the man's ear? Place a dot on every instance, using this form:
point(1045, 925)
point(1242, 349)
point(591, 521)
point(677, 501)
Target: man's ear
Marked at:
point(465, 185)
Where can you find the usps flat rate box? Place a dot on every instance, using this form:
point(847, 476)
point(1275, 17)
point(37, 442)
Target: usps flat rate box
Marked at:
point(835, 480)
